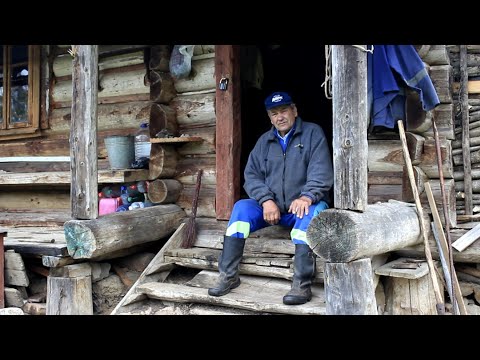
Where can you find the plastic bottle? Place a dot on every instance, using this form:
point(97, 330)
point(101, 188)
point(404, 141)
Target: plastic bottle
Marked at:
point(142, 142)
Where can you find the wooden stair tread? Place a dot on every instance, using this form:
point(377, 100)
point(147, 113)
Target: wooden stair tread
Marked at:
point(254, 293)
point(207, 259)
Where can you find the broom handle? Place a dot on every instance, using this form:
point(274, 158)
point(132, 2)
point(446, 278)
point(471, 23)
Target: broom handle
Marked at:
point(197, 193)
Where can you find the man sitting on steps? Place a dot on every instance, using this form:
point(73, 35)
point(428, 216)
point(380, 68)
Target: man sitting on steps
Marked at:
point(287, 177)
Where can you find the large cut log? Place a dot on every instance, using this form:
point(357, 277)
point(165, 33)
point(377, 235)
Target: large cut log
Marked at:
point(442, 79)
point(195, 109)
point(437, 55)
point(202, 76)
point(206, 200)
point(162, 117)
point(163, 161)
point(429, 158)
point(444, 119)
point(62, 65)
point(162, 89)
point(164, 191)
point(127, 115)
point(188, 166)
point(385, 155)
point(92, 238)
point(128, 84)
point(342, 236)
point(207, 146)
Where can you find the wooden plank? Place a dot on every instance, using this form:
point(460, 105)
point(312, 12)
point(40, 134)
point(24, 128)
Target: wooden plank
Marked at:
point(180, 139)
point(446, 250)
point(72, 271)
point(36, 217)
point(249, 269)
point(467, 239)
point(83, 133)
point(255, 298)
point(350, 117)
point(155, 271)
point(418, 270)
point(228, 143)
point(64, 177)
point(37, 248)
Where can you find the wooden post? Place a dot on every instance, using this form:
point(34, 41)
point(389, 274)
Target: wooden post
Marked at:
point(3, 233)
point(83, 133)
point(69, 290)
point(228, 132)
point(349, 288)
point(350, 146)
point(467, 165)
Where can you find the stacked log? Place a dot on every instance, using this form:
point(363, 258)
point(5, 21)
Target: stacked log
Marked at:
point(195, 108)
point(385, 158)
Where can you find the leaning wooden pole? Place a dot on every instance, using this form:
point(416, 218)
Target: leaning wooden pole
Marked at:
point(467, 164)
point(436, 288)
point(445, 210)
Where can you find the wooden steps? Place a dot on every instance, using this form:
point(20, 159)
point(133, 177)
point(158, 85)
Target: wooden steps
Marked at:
point(266, 272)
point(251, 263)
point(255, 293)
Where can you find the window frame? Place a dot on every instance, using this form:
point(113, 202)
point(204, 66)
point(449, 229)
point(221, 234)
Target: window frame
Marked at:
point(32, 127)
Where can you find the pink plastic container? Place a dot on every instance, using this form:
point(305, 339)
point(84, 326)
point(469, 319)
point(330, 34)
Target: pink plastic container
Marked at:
point(108, 205)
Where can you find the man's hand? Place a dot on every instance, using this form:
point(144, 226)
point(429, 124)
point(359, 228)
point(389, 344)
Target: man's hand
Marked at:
point(300, 206)
point(271, 212)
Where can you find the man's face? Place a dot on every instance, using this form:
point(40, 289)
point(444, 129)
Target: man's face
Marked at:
point(283, 117)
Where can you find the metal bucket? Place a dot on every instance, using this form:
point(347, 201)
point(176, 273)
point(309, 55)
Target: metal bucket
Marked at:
point(120, 150)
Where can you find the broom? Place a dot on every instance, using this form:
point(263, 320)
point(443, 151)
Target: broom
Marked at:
point(190, 233)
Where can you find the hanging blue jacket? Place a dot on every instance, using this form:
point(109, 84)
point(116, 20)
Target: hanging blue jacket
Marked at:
point(304, 169)
point(391, 68)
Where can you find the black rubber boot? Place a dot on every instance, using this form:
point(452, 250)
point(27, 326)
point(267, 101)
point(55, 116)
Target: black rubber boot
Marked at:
point(304, 271)
point(228, 266)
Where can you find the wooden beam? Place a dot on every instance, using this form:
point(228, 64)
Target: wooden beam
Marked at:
point(341, 236)
point(350, 146)
point(116, 231)
point(83, 133)
point(64, 177)
point(228, 131)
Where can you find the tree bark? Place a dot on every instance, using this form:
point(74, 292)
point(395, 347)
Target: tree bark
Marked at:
point(342, 236)
point(92, 238)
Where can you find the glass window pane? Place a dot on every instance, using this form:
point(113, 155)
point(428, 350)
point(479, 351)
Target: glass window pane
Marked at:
point(19, 85)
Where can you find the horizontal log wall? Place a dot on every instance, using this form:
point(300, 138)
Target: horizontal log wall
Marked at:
point(194, 105)
point(123, 99)
point(385, 156)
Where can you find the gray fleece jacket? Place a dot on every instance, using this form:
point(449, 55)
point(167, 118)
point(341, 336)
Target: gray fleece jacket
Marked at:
point(304, 169)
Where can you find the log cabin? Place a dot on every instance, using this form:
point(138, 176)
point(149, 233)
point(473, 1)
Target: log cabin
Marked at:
point(54, 163)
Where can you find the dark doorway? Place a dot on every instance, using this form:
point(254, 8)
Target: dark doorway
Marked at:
point(296, 69)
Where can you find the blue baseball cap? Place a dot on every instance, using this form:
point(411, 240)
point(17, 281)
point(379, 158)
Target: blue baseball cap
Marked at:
point(277, 98)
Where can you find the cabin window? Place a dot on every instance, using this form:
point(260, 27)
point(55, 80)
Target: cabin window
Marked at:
point(19, 91)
